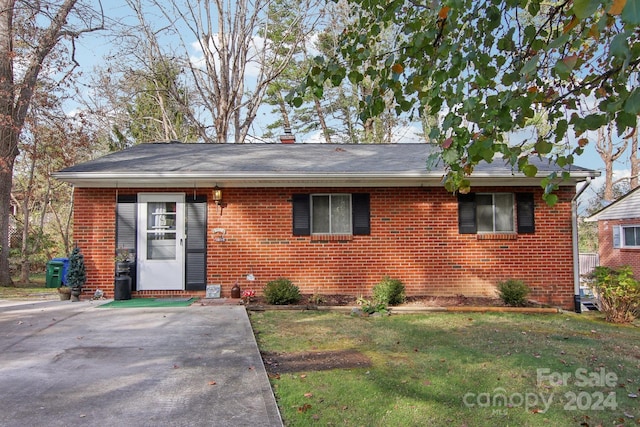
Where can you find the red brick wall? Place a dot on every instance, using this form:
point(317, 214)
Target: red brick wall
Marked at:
point(414, 238)
point(617, 257)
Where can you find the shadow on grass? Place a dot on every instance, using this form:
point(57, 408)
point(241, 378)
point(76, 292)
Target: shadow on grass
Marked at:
point(474, 369)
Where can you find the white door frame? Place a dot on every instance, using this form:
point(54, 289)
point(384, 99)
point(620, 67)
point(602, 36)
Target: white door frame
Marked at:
point(161, 242)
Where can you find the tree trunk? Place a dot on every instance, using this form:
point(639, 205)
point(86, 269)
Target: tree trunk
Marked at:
point(6, 179)
point(635, 163)
point(26, 215)
point(323, 122)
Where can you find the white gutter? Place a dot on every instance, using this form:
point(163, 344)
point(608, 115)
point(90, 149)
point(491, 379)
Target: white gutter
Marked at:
point(576, 252)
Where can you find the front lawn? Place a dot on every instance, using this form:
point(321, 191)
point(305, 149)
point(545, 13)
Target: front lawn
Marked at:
point(35, 290)
point(443, 369)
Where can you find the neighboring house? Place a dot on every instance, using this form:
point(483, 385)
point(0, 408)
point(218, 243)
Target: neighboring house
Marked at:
point(335, 219)
point(619, 232)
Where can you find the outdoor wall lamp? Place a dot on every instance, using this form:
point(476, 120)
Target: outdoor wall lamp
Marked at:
point(217, 198)
point(217, 195)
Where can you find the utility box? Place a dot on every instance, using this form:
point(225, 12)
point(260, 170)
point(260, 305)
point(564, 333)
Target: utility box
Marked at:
point(213, 291)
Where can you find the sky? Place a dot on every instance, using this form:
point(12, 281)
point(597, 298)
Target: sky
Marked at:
point(92, 48)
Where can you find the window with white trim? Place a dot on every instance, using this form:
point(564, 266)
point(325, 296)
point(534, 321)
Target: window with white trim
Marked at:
point(339, 214)
point(331, 214)
point(496, 213)
point(626, 236)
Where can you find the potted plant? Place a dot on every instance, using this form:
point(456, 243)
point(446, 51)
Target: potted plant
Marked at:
point(65, 293)
point(77, 274)
point(122, 261)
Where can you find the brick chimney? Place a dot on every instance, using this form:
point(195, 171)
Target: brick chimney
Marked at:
point(288, 137)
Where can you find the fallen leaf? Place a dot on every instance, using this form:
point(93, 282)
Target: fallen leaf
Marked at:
point(175, 366)
point(303, 376)
point(212, 383)
point(304, 408)
point(308, 395)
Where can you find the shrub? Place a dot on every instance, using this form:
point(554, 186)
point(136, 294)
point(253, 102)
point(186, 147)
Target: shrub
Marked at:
point(389, 292)
point(618, 292)
point(369, 307)
point(281, 292)
point(513, 292)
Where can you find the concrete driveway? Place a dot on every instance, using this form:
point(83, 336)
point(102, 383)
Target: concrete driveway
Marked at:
point(68, 364)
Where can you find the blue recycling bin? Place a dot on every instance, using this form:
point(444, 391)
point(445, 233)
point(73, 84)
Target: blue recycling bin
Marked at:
point(65, 268)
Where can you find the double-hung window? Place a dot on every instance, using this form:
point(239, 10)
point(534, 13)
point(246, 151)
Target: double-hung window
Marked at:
point(331, 214)
point(496, 213)
point(626, 236)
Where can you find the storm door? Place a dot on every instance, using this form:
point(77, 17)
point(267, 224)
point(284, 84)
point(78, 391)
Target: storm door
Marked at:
point(161, 241)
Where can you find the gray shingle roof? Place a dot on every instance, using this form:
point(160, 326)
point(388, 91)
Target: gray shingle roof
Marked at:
point(249, 164)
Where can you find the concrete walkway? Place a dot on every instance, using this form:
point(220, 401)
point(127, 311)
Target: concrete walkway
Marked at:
point(72, 364)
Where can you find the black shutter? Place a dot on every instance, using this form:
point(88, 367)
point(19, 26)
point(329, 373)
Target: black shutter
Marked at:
point(301, 215)
point(126, 229)
point(361, 215)
point(196, 245)
point(467, 214)
point(526, 217)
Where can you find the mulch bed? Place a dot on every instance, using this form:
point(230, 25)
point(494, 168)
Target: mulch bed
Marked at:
point(413, 301)
point(308, 361)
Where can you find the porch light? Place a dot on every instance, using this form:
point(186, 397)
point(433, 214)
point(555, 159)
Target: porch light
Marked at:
point(217, 195)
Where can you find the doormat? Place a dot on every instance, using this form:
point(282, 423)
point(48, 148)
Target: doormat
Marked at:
point(150, 302)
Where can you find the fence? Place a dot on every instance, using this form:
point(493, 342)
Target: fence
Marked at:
point(588, 262)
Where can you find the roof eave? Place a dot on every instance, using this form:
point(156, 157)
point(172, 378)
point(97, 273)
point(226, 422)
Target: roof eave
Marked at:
point(239, 180)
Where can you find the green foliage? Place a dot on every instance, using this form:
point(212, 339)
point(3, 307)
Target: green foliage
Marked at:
point(618, 292)
point(155, 111)
point(281, 292)
point(389, 291)
point(513, 292)
point(77, 274)
point(371, 307)
point(487, 69)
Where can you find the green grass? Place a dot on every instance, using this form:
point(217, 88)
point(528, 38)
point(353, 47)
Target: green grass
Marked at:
point(423, 366)
point(34, 290)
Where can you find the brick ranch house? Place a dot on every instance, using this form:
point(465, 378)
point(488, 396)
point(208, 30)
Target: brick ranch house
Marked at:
point(619, 232)
point(334, 219)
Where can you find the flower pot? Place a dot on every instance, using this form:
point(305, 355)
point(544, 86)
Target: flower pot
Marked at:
point(75, 294)
point(65, 293)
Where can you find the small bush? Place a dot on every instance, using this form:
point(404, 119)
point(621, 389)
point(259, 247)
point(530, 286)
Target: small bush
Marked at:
point(281, 292)
point(513, 292)
point(369, 307)
point(389, 292)
point(618, 292)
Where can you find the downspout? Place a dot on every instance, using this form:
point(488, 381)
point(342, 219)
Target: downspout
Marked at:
point(576, 252)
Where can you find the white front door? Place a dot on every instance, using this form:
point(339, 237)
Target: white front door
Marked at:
point(160, 241)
